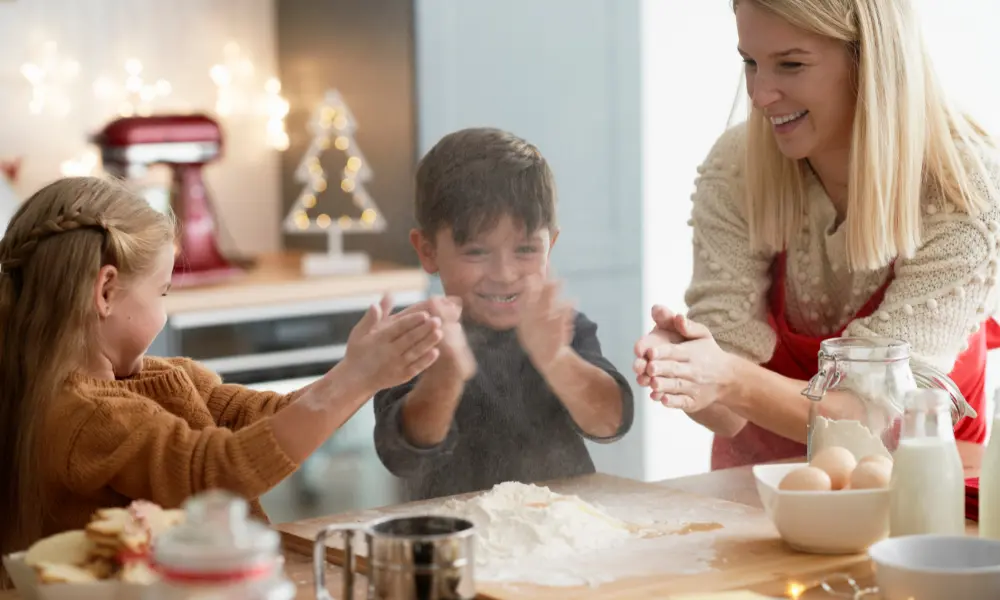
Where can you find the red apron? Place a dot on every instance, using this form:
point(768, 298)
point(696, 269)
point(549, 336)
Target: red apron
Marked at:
point(796, 356)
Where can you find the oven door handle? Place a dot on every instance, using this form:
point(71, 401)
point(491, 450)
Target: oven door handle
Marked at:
point(270, 360)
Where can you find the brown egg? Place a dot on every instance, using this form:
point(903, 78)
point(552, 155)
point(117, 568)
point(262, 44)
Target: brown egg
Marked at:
point(837, 462)
point(871, 475)
point(806, 479)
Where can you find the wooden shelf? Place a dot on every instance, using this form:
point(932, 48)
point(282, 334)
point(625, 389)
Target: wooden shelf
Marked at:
point(278, 279)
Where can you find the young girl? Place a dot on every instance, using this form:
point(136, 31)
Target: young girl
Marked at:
point(87, 421)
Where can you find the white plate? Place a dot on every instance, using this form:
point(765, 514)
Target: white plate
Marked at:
point(27, 585)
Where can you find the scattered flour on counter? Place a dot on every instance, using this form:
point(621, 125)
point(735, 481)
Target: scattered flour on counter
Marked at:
point(523, 524)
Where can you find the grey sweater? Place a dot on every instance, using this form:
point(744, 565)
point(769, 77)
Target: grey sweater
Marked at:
point(509, 426)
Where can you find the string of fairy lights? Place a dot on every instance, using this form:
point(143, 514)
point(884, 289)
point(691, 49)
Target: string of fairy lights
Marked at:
point(333, 126)
point(53, 77)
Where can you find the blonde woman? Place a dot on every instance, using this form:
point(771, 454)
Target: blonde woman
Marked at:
point(855, 201)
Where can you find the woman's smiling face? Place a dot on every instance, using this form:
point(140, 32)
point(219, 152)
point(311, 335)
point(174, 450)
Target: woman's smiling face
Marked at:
point(802, 82)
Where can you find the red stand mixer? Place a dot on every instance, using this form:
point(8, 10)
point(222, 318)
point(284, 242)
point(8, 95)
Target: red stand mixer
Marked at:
point(185, 144)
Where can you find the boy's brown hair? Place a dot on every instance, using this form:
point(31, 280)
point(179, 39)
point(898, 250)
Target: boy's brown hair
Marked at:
point(473, 177)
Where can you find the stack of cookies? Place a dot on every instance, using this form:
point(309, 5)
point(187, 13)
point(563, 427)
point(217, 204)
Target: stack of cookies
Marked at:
point(67, 558)
point(114, 545)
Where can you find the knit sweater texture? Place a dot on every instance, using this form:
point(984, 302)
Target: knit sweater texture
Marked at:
point(935, 301)
point(169, 432)
point(509, 425)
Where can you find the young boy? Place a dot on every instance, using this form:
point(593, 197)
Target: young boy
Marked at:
point(520, 380)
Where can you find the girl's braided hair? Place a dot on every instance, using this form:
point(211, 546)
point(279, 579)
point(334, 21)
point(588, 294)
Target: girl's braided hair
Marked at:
point(14, 253)
point(50, 258)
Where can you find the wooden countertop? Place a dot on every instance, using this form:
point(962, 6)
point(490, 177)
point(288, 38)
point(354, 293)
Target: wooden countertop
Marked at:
point(738, 485)
point(278, 278)
point(732, 485)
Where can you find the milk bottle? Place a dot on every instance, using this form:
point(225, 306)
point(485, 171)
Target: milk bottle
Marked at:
point(989, 480)
point(927, 489)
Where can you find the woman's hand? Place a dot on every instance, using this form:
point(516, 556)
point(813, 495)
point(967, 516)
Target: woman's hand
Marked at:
point(682, 364)
point(657, 338)
point(663, 335)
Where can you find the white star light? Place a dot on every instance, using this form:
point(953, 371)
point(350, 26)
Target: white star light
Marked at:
point(231, 77)
point(135, 96)
point(239, 94)
point(49, 77)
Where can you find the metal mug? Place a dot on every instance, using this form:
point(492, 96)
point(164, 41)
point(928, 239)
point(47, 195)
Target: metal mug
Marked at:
point(422, 557)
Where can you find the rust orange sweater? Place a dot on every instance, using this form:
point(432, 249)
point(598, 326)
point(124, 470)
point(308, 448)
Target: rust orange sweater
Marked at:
point(169, 432)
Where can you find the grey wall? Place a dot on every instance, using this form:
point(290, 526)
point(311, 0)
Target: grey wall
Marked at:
point(365, 50)
point(565, 74)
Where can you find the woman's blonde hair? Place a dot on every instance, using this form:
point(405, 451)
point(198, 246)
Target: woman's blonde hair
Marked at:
point(905, 136)
point(50, 256)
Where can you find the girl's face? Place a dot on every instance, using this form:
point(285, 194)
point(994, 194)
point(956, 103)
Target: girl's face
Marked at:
point(131, 314)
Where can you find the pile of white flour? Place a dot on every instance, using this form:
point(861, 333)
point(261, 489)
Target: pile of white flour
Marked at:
point(526, 524)
point(850, 434)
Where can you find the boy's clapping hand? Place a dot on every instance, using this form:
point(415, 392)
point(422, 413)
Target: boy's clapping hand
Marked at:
point(456, 356)
point(546, 326)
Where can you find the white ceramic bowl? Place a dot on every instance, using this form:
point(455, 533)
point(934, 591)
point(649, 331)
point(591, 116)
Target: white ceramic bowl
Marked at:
point(836, 522)
point(934, 567)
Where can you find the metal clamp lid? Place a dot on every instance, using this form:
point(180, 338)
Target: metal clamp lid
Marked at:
point(218, 536)
point(827, 377)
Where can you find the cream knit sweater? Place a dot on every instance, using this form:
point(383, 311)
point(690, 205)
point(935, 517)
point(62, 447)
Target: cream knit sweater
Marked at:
point(935, 302)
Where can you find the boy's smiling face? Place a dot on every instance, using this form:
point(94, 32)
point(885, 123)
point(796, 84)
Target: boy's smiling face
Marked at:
point(489, 271)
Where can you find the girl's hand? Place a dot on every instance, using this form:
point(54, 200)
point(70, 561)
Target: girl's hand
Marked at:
point(691, 373)
point(384, 351)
